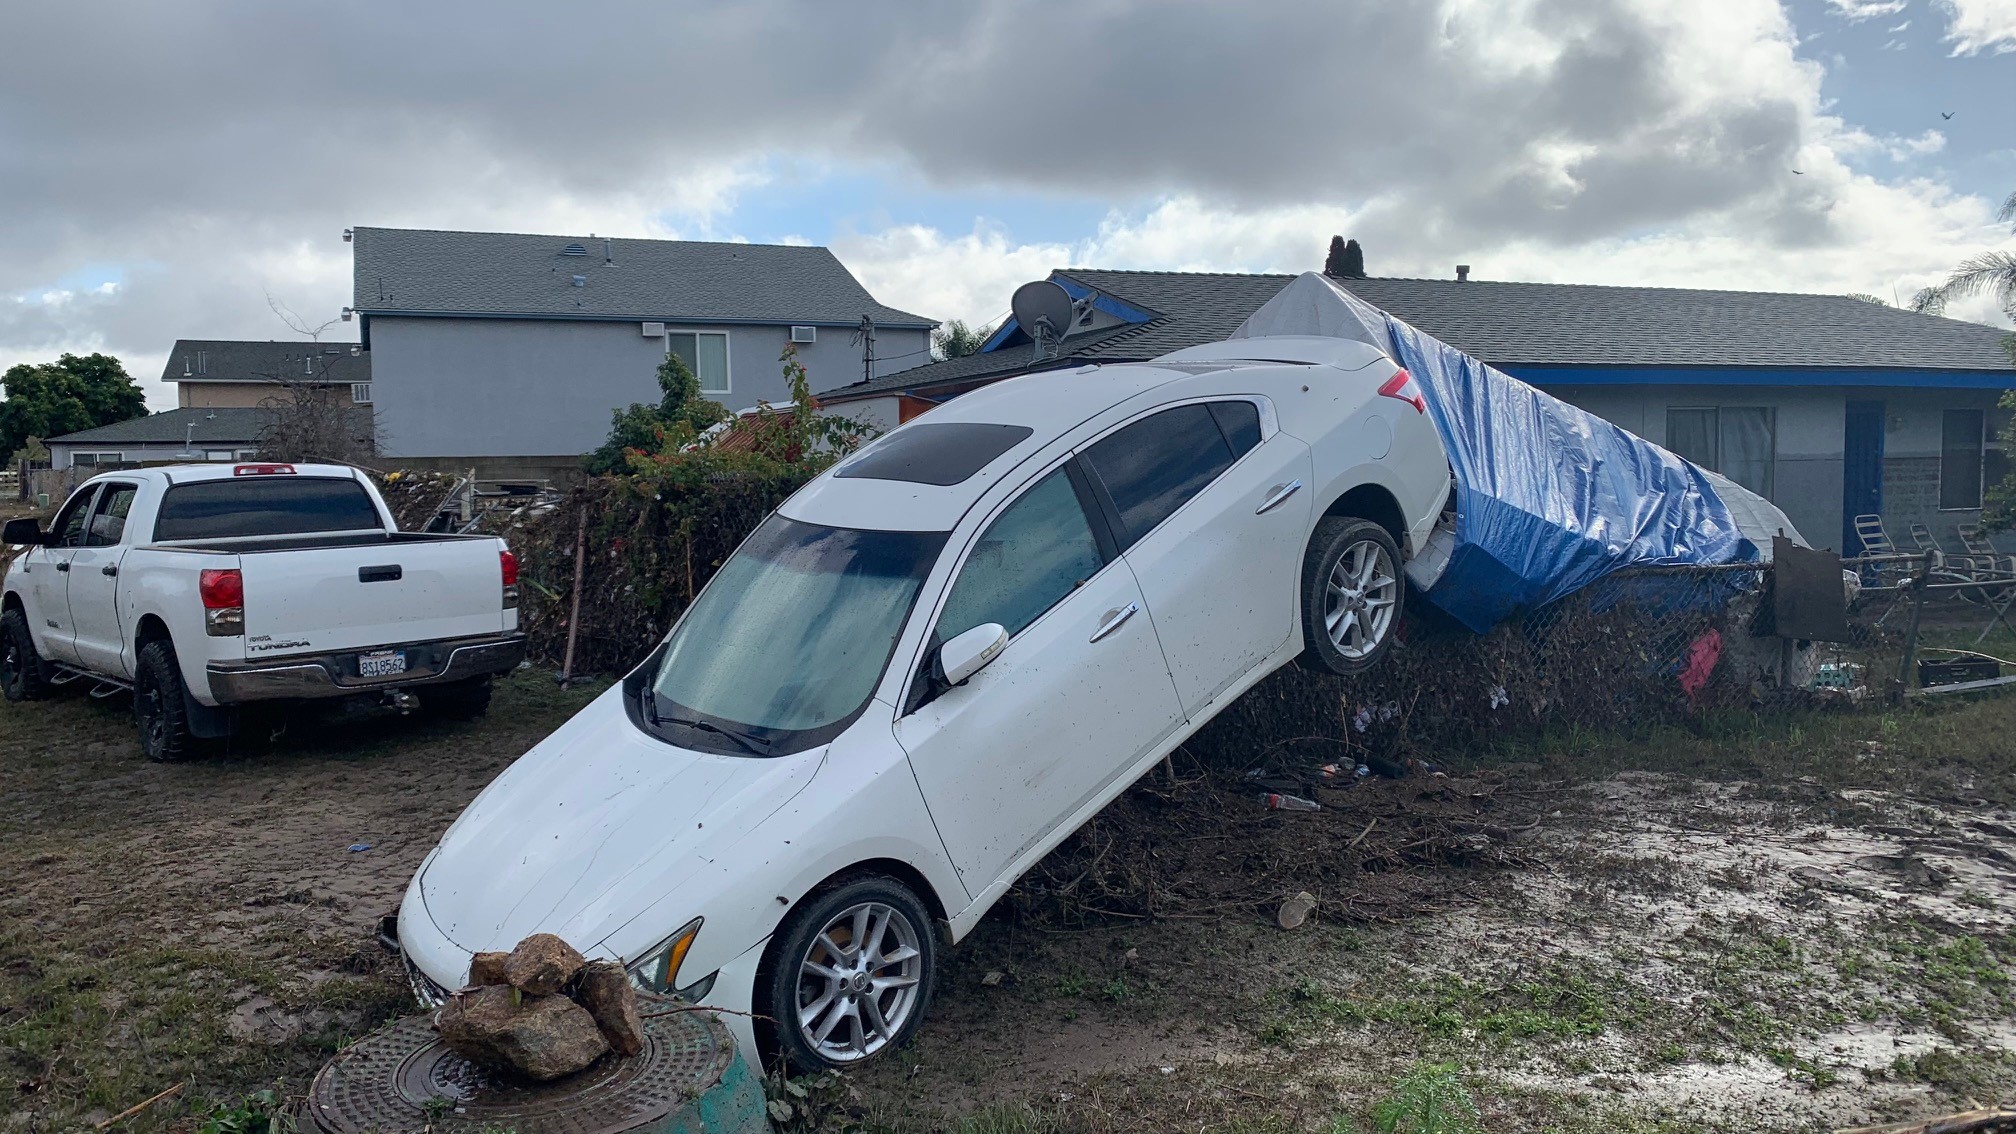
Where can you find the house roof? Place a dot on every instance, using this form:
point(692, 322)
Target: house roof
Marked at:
point(222, 425)
point(412, 271)
point(1515, 325)
point(235, 360)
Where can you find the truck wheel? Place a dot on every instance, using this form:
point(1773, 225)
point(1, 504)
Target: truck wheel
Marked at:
point(1352, 594)
point(457, 700)
point(851, 978)
point(23, 675)
point(159, 706)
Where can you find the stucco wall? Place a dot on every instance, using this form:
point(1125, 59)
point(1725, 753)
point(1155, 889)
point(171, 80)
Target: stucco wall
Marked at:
point(534, 387)
point(60, 456)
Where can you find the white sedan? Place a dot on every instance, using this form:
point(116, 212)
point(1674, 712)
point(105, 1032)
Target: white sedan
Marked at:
point(933, 664)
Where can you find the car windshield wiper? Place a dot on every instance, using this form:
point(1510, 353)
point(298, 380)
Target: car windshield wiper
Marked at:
point(754, 744)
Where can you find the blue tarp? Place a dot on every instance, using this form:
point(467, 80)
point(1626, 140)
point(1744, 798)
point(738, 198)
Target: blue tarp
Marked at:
point(1549, 498)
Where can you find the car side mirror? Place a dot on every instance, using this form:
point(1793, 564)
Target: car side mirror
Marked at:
point(23, 532)
point(969, 653)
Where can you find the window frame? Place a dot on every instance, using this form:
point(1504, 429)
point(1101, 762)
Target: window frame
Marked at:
point(727, 357)
point(106, 490)
point(1715, 464)
point(118, 457)
point(360, 393)
point(1980, 460)
point(85, 499)
point(1268, 427)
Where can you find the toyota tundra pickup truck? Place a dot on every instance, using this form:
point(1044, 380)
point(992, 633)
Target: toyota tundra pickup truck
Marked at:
point(208, 588)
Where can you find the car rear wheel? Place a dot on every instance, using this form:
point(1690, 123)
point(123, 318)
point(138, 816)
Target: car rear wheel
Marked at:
point(159, 707)
point(23, 675)
point(851, 979)
point(1352, 595)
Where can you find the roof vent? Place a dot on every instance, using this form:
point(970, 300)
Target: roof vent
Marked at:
point(1462, 272)
point(580, 281)
point(575, 250)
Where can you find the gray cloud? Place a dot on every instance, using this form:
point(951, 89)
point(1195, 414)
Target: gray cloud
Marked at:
point(216, 146)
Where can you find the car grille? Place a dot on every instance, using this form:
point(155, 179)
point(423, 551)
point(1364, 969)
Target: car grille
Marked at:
point(429, 994)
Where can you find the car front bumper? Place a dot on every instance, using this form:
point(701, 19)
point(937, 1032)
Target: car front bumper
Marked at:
point(335, 674)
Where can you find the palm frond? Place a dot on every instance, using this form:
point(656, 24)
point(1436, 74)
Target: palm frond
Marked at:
point(2008, 210)
point(1867, 298)
point(1929, 301)
point(1990, 273)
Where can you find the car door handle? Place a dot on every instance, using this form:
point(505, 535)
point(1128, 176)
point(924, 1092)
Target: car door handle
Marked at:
point(109, 569)
point(62, 564)
point(387, 573)
point(1114, 618)
point(1277, 494)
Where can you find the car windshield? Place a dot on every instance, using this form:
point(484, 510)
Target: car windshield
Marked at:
point(783, 648)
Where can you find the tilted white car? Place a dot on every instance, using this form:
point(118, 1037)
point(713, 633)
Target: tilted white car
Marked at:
point(930, 666)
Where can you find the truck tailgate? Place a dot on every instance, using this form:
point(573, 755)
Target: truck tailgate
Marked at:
point(345, 598)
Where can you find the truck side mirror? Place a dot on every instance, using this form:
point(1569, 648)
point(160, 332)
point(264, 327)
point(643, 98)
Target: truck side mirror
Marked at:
point(23, 532)
point(969, 653)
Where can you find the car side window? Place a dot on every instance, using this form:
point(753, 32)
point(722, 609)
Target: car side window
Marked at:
point(1240, 422)
point(68, 528)
point(108, 519)
point(1027, 561)
point(1152, 467)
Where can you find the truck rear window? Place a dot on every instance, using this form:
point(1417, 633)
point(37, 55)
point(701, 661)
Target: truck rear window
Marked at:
point(264, 506)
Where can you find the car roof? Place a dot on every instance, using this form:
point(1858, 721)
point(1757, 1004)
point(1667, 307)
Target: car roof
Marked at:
point(1048, 404)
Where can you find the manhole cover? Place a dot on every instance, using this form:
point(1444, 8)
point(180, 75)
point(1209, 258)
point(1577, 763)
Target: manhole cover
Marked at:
point(403, 1078)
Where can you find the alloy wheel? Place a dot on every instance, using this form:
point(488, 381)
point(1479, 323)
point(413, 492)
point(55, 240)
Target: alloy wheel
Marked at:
point(1360, 598)
point(858, 982)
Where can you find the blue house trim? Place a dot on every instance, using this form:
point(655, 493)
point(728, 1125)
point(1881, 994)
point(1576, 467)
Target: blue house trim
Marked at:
point(1760, 376)
point(1125, 312)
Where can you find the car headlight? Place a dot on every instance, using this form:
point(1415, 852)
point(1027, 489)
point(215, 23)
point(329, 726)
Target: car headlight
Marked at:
point(658, 969)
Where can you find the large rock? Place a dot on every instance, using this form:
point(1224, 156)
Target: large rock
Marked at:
point(540, 1037)
point(488, 968)
point(542, 964)
point(605, 990)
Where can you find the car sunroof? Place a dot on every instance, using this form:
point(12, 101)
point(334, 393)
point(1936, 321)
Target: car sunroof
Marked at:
point(939, 454)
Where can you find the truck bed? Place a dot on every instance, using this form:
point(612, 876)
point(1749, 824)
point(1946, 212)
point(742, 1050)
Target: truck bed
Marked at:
point(252, 545)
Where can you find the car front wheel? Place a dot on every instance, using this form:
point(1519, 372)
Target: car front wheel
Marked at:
point(1352, 595)
point(852, 975)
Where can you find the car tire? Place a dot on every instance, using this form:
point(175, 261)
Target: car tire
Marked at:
point(161, 706)
point(1353, 593)
point(818, 981)
point(24, 676)
point(457, 700)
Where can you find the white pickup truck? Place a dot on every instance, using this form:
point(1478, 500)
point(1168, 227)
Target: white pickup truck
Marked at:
point(204, 588)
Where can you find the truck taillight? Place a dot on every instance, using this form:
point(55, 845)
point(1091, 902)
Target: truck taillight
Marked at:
point(223, 594)
point(1402, 386)
point(261, 470)
point(509, 564)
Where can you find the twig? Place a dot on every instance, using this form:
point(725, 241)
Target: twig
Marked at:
point(1361, 835)
point(136, 1108)
point(701, 1008)
point(2000, 1118)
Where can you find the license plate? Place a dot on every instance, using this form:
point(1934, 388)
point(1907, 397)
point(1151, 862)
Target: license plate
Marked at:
point(381, 663)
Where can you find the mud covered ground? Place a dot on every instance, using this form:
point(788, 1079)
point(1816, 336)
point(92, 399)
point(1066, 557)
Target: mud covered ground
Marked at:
point(1789, 924)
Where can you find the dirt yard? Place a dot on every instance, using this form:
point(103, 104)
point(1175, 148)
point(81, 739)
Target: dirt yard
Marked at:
point(1798, 923)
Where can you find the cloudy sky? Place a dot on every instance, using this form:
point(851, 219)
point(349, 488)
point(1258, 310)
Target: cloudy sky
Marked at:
point(167, 168)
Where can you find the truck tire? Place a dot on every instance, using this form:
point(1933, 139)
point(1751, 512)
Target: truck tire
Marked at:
point(463, 700)
point(1352, 595)
point(160, 705)
point(24, 676)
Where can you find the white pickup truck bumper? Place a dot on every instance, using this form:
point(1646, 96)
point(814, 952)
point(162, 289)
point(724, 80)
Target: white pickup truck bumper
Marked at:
point(335, 674)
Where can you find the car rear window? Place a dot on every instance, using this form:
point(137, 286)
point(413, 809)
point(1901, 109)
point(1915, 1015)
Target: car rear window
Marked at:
point(264, 506)
point(941, 453)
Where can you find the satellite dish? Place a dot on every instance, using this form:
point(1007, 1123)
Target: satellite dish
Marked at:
point(1043, 309)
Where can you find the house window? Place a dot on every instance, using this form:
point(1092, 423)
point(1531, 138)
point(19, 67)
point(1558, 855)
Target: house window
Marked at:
point(706, 353)
point(1963, 454)
point(360, 393)
point(1740, 442)
point(96, 460)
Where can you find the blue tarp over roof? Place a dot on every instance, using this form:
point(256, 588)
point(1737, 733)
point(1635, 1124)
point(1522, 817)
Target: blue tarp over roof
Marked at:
point(1549, 497)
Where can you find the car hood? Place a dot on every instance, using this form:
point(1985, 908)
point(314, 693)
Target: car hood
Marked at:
point(547, 846)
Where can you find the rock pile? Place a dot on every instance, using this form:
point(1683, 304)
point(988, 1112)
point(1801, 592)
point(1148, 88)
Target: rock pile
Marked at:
point(542, 1011)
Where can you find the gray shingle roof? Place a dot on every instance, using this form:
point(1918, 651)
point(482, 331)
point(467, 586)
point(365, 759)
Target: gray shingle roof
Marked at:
point(426, 271)
point(233, 360)
point(1521, 324)
point(219, 426)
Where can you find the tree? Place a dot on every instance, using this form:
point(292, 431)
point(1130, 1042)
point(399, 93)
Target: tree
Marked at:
point(1333, 264)
point(310, 422)
point(74, 392)
point(679, 418)
point(957, 340)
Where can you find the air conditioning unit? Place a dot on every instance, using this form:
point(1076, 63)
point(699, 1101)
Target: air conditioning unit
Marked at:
point(804, 334)
point(654, 330)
